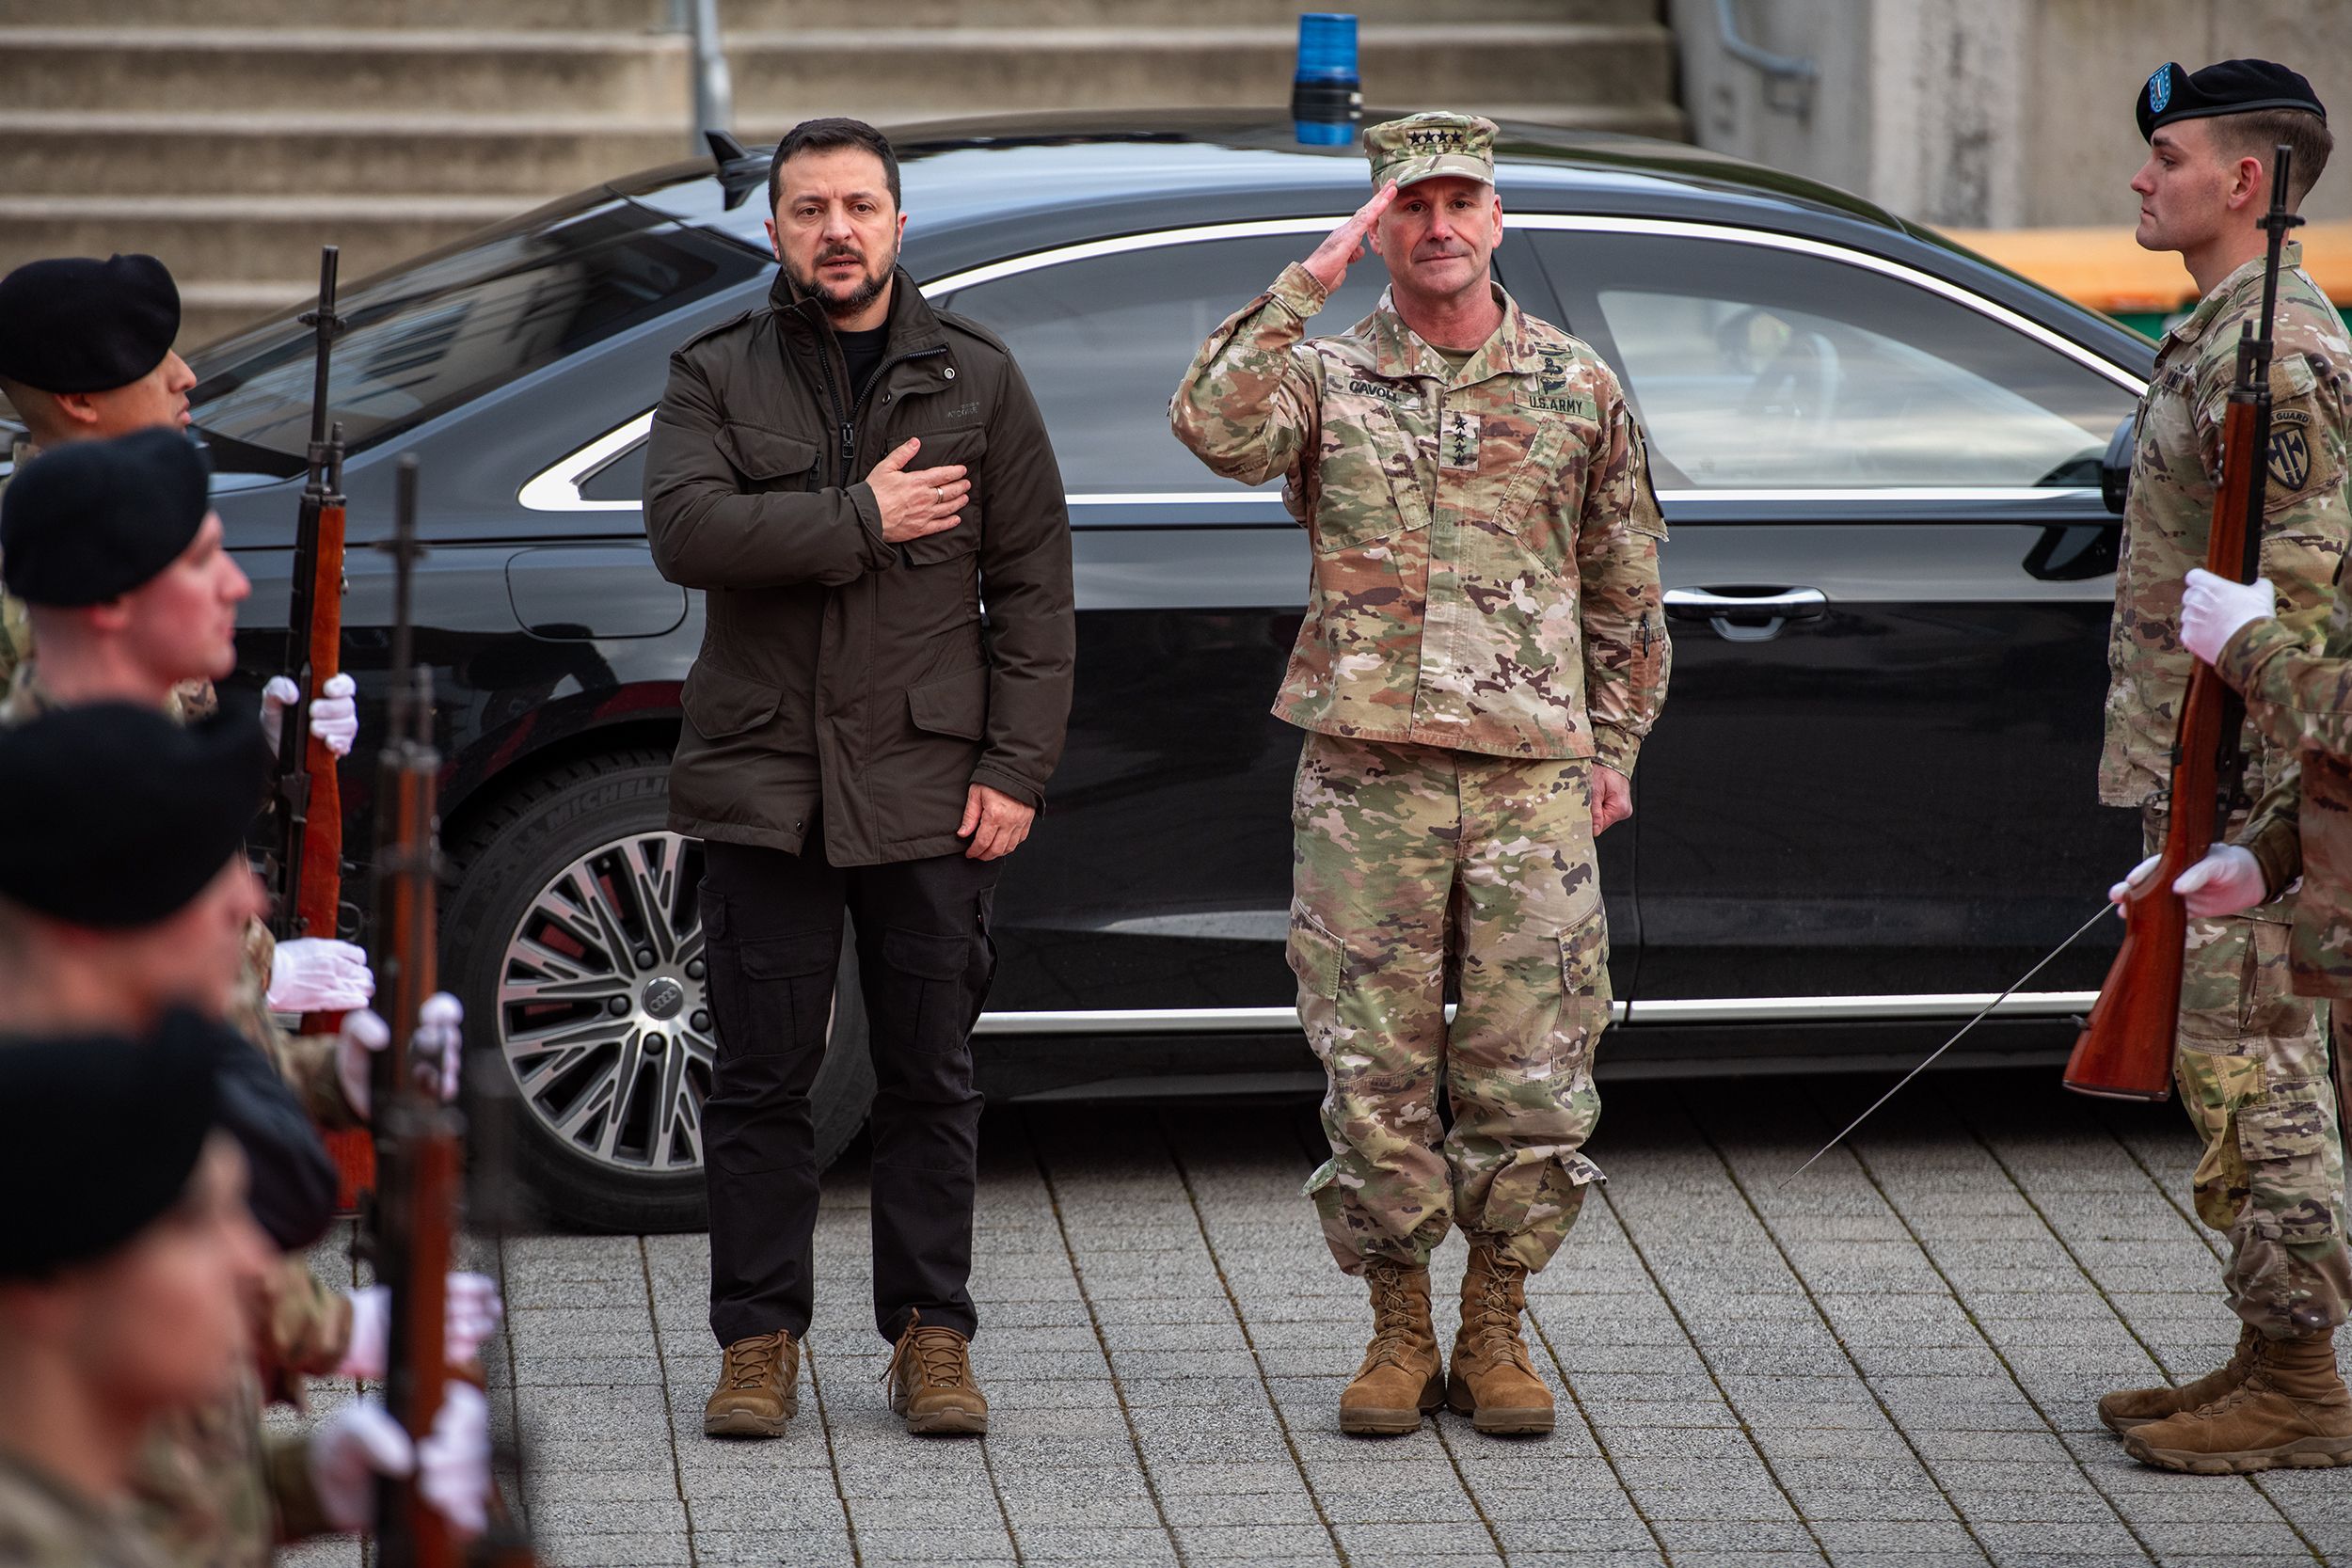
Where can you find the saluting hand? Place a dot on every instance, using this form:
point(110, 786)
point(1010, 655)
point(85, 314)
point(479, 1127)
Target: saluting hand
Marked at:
point(1349, 241)
point(928, 501)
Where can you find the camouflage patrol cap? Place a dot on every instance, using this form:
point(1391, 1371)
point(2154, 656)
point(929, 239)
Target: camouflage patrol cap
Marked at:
point(1423, 146)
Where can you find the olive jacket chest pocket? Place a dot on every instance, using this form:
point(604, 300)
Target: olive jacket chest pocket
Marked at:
point(967, 446)
point(768, 460)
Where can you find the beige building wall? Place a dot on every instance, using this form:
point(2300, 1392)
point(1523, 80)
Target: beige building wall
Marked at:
point(1989, 113)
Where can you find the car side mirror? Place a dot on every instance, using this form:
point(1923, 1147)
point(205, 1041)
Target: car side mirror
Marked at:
point(2115, 468)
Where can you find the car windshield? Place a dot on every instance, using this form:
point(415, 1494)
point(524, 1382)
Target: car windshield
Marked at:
point(437, 334)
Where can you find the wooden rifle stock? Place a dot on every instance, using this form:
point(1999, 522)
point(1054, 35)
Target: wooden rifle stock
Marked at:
point(417, 1138)
point(309, 863)
point(2125, 1048)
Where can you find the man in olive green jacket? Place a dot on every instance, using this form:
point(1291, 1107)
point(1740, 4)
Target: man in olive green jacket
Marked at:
point(843, 471)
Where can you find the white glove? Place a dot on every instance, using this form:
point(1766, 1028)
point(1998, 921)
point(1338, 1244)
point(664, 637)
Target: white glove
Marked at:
point(349, 1449)
point(473, 1314)
point(2213, 609)
point(2228, 880)
point(364, 1034)
point(334, 713)
point(437, 1047)
point(453, 1462)
point(360, 1442)
point(319, 974)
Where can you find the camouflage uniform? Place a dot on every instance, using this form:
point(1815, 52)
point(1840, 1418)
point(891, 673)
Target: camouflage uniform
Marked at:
point(206, 1485)
point(45, 1525)
point(16, 629)
point(2251, 1060)
point(1483, 625)
point(2286, 1167)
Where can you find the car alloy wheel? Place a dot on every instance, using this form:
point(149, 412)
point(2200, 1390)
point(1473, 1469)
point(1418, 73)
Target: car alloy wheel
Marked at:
point(602, 1013)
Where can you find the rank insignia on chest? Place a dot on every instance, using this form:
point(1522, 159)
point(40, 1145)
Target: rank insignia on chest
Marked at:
point(2290, 458)
point(1458, 441)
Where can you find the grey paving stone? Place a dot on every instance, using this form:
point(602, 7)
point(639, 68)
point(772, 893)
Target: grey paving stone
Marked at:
point(1143, 1548)
point(1252, 1541)
point(896, 1545)
point(1840, 1536)
point(615, 1551)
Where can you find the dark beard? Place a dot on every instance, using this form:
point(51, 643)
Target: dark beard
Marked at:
point(869, 289)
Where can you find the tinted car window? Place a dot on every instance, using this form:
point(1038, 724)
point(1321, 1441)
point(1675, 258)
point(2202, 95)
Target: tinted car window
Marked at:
point(457, 324)
point(1769, 369)
point(1103, 341)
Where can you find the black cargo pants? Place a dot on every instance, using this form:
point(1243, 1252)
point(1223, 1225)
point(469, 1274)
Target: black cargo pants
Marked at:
point(772, 926)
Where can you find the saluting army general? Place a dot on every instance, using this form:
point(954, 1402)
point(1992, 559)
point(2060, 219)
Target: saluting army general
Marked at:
point(1483, 652)
point(2252, 1055)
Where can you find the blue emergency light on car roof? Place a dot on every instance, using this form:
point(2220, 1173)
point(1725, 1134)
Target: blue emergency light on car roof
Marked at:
point(1327, 92)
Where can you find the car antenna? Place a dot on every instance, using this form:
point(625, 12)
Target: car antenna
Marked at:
point(725, 150)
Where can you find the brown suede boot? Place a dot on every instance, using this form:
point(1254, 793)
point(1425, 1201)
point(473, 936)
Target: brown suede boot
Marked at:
point(2128, 1408)
point(2292, 1412)
point(1401, 1379)
point(931, 1387)
point(757, 1388)
point(1492, 1381)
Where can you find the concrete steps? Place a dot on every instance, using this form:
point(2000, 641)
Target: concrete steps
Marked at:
point(231, 136)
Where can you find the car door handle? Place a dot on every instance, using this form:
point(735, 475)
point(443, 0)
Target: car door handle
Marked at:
point(1760, 613)
point(1702, 603)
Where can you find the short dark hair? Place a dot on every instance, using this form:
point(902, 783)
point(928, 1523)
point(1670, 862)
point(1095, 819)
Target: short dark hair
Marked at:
point(831, 136)
point(2253, 135)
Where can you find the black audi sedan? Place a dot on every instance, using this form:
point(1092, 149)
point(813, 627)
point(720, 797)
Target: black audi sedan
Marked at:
point(1869, 806)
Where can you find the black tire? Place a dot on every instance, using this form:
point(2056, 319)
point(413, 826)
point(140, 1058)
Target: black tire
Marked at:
point(504, 869)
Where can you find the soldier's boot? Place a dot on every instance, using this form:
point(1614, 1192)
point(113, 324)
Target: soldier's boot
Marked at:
point(758, 1388)
point(1492, 1381)
point(2128, 1408)
point(2291, 1413)
point(1401, 1379)
point(931, 1387)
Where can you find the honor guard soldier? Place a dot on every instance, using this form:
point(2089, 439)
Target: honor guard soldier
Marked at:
point(122, 1285)
point(85, 353)
point(132, 903)
point(1482, 651)
point(2252, 1055)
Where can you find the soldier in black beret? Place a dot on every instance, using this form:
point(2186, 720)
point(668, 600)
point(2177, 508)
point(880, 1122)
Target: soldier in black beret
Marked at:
point(86, 354)
point(2252, 1055)
point(121, 1285)
point(114, 549)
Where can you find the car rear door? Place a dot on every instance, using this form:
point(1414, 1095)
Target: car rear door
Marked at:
point(1890, 578)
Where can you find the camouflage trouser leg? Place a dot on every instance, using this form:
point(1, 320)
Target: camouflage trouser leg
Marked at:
point(2252, 1064)
point(1410, 863)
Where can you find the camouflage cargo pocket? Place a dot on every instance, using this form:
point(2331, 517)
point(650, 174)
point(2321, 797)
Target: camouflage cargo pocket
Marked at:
point(1539, 1186)
point(2284, 1143)
point(1315, 956)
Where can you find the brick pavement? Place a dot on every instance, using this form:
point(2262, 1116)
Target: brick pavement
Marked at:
point(1890, 1362)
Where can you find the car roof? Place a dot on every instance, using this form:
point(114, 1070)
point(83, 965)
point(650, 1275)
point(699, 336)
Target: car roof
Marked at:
point(1061, 170)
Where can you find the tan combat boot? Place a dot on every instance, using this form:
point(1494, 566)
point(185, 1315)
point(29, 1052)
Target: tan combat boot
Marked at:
point(2292, 1412)
point(931, 1380)
point(757, 1388)
point(1401, 1379)
point(2128, 1408)
point(1492, 1381)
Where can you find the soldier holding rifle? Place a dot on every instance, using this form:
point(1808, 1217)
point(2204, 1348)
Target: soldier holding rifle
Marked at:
point(114, 546)
point(127, 914)
point(2251, 1059)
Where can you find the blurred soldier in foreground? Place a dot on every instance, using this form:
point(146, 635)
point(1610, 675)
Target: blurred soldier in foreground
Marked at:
point(86, 354)
point(1483, 652)
point(2253, 1057)
point(133, 901)
point(121, 1287)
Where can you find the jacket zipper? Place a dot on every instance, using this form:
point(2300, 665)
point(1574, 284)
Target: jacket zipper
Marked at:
point(845, 421)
